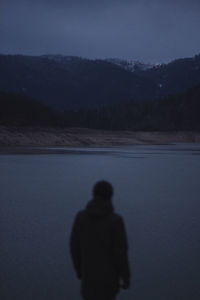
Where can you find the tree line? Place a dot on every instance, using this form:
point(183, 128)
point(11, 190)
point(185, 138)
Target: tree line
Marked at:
point(175, 112)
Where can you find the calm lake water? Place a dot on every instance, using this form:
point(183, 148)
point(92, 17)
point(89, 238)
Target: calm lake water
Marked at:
point(157, 191)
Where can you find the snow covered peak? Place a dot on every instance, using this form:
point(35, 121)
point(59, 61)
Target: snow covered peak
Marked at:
point(131, 65)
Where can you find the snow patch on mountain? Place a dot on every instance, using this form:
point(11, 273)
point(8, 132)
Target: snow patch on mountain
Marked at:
point(129, 65)
point(132, 65)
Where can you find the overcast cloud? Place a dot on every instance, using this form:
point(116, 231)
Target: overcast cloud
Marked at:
point(147, 30)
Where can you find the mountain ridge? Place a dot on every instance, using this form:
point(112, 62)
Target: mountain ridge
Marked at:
point(75, 84)
point(70, 82)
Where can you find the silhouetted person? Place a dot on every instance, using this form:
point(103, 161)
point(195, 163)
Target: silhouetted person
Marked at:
point(99, 247)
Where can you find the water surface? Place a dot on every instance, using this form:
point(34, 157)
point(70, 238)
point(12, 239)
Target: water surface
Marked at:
point(157, 192)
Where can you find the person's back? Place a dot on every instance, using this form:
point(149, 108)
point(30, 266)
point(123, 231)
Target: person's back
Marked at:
point(98, 245)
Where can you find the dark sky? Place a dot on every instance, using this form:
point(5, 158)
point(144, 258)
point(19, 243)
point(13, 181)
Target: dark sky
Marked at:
point(147, 30)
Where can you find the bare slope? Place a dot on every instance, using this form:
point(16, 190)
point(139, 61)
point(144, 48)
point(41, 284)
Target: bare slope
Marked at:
point(78, 137)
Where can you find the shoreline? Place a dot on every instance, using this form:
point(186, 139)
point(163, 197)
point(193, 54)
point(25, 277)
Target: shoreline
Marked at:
point(19, 137)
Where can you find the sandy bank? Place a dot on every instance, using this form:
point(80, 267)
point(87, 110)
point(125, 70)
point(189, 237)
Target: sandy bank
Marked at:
point(79, 137)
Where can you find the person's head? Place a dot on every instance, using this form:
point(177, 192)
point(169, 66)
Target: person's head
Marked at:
point(103, 189)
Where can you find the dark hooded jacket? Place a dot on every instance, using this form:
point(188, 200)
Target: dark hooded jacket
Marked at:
point(99, 250)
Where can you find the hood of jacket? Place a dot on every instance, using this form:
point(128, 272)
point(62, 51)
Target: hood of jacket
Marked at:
point(99, 208)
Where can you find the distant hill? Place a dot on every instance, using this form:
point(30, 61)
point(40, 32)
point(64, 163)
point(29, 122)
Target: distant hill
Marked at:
point(68, 82)
point(175, 77)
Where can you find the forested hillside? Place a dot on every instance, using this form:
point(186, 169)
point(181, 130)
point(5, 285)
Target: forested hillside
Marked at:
point(175, 77)
point(19, 110)
point(176, 112)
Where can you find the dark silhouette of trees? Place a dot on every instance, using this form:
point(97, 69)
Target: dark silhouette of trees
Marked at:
point(175, 112)
point(19, 110)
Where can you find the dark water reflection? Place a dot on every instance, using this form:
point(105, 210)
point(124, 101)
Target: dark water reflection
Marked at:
point(157, 191)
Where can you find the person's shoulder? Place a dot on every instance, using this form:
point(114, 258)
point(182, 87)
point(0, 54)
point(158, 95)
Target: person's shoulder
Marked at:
point(117, 218)
point(80, 214)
